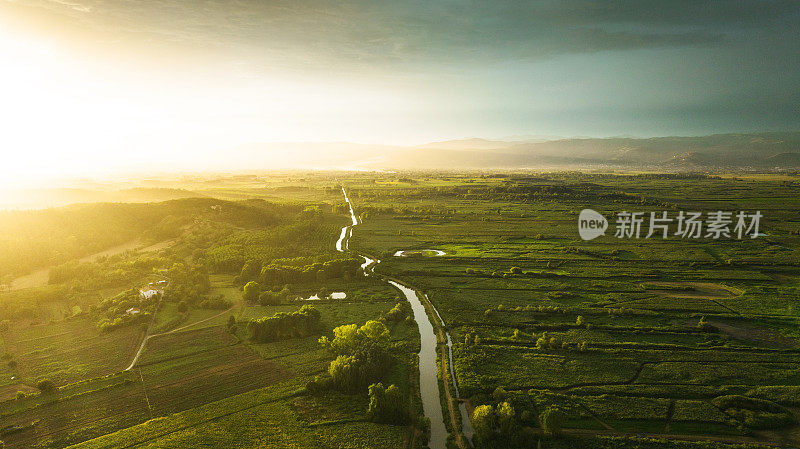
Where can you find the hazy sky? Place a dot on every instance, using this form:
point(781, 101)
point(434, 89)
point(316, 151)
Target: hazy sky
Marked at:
point(103, 83)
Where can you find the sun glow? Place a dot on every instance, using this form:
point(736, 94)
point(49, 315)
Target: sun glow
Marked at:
point(63, 116)
point(56, 116)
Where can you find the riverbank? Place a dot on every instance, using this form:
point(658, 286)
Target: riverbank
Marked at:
point(431, 342)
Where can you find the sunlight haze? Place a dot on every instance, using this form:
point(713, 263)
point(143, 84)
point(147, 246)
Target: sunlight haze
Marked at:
point(92, 87)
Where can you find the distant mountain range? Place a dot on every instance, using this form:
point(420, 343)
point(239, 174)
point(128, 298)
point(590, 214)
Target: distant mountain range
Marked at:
point(774, 150)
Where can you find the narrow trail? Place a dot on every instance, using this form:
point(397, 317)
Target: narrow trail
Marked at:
point(435, 344)
point(148, 336)
point(144, 340)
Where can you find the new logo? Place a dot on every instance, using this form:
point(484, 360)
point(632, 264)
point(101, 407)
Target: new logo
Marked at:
point(591, 224)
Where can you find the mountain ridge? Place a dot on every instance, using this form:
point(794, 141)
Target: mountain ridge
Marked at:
point(732, 150)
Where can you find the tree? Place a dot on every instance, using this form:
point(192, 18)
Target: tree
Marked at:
point(344, 339)
point(552, 420)
point(374, 330)
point(251, 291)
point(343, 372)
point(348, 337)
point(397, 313)
point(579, 320)
point(46, 386)
point(484, 423)
point(231, 323)
point(508, 427)
point(183, 307)
point(270, 298)
point(250, 271)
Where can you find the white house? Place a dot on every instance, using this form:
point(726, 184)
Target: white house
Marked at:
point(147, 294)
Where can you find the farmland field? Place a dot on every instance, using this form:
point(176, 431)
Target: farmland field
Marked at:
point(660, 343)
point(635, 336)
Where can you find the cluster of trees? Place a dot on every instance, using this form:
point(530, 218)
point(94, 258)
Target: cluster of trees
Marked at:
point(500, 425)
point(69, 271)
point(543, 342)
point(275, 274)
point(523, 192)
point(397, 313)
point(254, 294)
point(754, 413)
point(189, 285)
point(217, 302)
point(105, 272)
point(187, 282)
point(362, 355)
point(284, 325)
point(546, 342)
point(386, 405)
point(496, 426)
point(113, 311)
point(35, 238)
point(109, 324)
point(306, 236)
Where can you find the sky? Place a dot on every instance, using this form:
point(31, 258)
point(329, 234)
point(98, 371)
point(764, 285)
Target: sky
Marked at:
point(92, 85)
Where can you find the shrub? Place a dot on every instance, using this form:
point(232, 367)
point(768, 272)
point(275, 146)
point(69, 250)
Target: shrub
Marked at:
point(216, 303)
point(753, 412)
point(251, 291)
point(499, 394)
point(46, 386)
point(270, 298)
point(397, 313)
point(552, 420)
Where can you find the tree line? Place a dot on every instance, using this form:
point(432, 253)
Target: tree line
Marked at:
point(274, 274)
point(283, 325)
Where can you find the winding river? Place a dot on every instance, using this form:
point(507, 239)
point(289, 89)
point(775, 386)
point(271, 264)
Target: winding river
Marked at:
point(428, 369)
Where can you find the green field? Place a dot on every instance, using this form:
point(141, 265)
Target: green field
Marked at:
point(640, 343)
point(639, 301)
